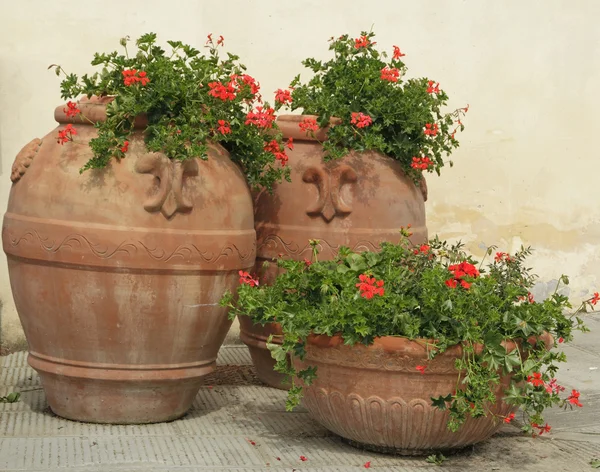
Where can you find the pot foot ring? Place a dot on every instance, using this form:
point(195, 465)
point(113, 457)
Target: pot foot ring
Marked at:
point(401, 452)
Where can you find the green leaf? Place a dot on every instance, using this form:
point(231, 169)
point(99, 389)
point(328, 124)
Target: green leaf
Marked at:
point(440, 402)
point(595, 463)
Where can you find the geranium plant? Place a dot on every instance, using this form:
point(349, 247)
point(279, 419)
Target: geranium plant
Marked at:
point(374, 106)
point(189, 100)
point(433, 293)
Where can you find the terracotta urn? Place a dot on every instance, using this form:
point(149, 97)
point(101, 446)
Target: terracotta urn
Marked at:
point(358, 201)
point(375, 398)
point(117, 273)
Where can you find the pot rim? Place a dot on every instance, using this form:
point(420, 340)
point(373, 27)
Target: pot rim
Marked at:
point(417, 345)
point(288, 125)
point(93, 110)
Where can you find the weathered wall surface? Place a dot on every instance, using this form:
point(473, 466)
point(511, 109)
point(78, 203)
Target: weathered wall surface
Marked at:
point(526, 169)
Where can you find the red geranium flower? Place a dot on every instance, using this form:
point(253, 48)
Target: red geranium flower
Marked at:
point(308, 124)
point(421, 368)
point(224, 127)
point(535, 379)
point(361, 120)
point(595, 299)
point(125, 147)
point(71, 109)
point(397, 53)
point(369, 287)
point(421, 163)
point(509, 418)
point(431, 88)
point(261, 118)
point(431, 129)
point(391, 75)
point(283, 96)
point(361, 42)
point(574, 398)
point(247, 279)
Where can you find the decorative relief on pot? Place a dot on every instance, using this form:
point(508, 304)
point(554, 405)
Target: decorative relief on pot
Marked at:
point(412, 425)
point(273, 245)
point(57, 243)
point(169, 198)
point(24, 159)
point(329, 185)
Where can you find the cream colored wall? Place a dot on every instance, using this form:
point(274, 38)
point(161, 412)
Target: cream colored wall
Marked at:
point(526, 170)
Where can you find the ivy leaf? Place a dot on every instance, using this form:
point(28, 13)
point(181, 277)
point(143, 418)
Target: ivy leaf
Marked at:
point(440, 402)
point(277, 351)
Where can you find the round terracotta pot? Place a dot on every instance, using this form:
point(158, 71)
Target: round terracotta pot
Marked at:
point(374, 397)
point(117, 273)
point(358, 201)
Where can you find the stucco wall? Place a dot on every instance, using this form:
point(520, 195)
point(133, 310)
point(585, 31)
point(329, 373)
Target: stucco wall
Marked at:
point(526, 169)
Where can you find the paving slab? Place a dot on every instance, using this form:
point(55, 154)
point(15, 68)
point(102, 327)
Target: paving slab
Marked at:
point(238, 424)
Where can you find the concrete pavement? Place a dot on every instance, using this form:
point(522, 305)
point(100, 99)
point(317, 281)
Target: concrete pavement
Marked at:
point(238, 424)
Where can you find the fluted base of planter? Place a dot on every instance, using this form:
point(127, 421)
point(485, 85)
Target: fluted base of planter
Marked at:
point(400, 452)
point(255, 337)
point(119, 394)
point(375, 398)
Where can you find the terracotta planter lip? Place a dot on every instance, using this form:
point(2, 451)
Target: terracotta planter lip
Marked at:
point(289, 126)
point(93, 110)
point(402, 343)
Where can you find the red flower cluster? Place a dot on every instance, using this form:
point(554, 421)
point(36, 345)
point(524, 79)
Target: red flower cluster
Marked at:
point(223, 92)
point(543, 429)
point(459, 271)
point(421, 368)
point(390, 75)
point(595, 298)
point(574, 398)
point(283, 96)
point(308, 124)
point(509, 418)
point(274, 147)
point(369, 287)
point(290, 143)
point(66, 134)
point(132, 77)
point(530, 297)
point(553, 387)
point(536, 379)
point(125, 147)
point(71, 109)
point(246, 278)
point(431, 129)
point(431, 88)
point(424, 248)
point(262, 117)
point(224, 127)
point(361, 42)
point(307, 263)
point(502, 256)
point(361, 120)
point(397, 53)
point(221, 40)
point(238, 81)
point(421, 163)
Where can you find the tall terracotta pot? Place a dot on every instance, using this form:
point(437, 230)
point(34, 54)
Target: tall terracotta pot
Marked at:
point(358, 201)
point(374, 397)
point(117, 273)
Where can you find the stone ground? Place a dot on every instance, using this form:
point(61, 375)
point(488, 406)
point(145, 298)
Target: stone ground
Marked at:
point(238, 424)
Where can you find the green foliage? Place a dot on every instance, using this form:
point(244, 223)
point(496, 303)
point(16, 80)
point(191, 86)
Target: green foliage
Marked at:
point(183, 117)
point(437, 459)
point(12, 397)
point(433, 291)
point(400, 109)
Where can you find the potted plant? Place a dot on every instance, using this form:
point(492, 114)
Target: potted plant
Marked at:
point(126, 222)
point(416, 347)
point(365, 139)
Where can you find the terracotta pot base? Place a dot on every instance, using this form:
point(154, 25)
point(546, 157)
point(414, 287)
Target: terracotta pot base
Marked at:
point(255, 337)
point(401, 452)
point(119, 395)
